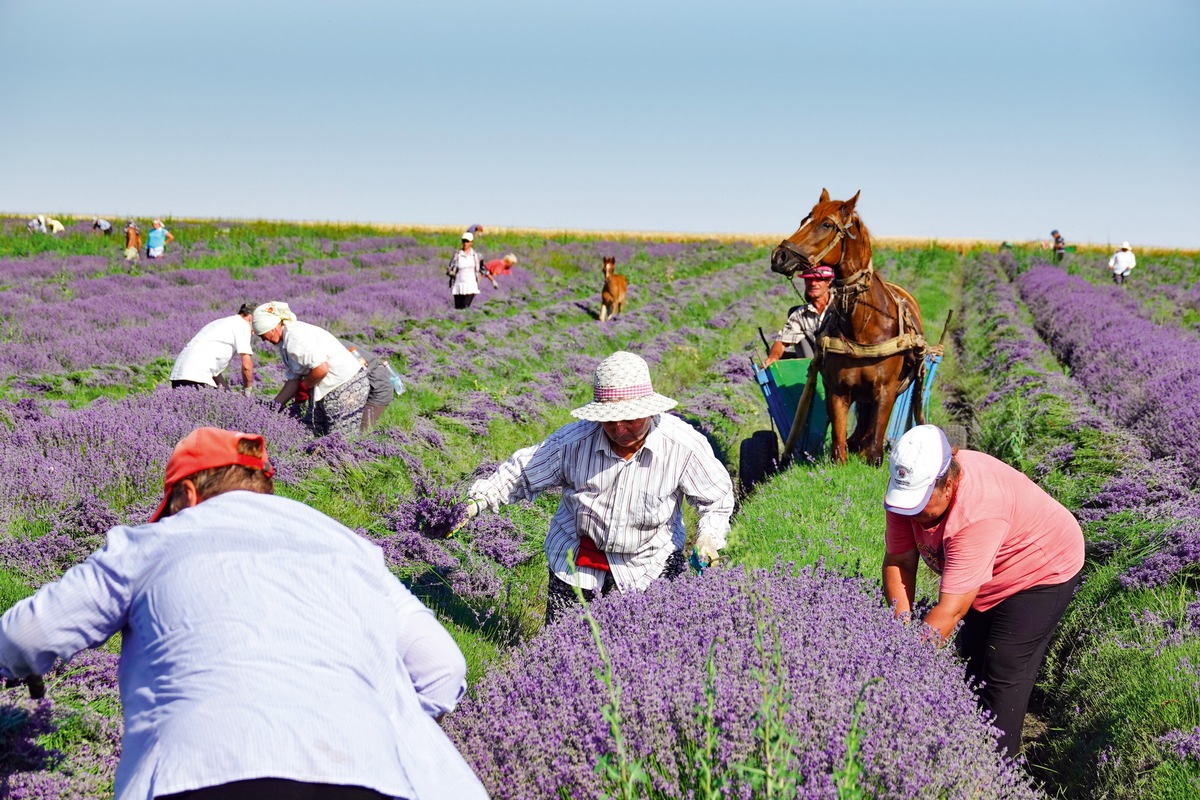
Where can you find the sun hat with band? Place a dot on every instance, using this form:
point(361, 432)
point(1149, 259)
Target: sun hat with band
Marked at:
point(621, 390)
point(818, 273)
point(209, 448)
point(918, 460)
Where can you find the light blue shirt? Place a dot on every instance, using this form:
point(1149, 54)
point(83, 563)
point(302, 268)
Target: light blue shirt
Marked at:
point(157, 237)
point(260, 638)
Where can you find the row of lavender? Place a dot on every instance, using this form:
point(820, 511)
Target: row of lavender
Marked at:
point(69, 475)
point(1126, 667)
point(469, 380)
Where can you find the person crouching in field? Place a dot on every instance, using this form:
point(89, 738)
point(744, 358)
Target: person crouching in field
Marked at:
point(464, 270)
point(1009, 556)
point(313, 359)
point(1122, 263)
point(266, 650)
point(500, 266)
point(203, 361)
point(624, 470)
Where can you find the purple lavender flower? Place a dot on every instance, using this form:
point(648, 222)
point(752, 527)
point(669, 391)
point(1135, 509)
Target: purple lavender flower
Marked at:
point(833, 639)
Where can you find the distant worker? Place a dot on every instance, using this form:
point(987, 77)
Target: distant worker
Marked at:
point(1008, 556)
point(314, 360)
point(203, 361)
point(101, 226)
point(475, 230)
point(36, 225)
point(133, 241)
point(267, 652)
point(383, 381)
point(1122, 263)
point(800, 330)
point(54, 226)
point(500, 266)
point(1060, 245)
point(156, 240)
point(465, 268)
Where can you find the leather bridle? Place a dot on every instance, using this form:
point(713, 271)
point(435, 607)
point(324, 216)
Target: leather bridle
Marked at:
point(842, 232)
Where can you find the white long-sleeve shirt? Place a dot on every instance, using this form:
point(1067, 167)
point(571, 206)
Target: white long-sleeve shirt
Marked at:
point(260, 638)
point(1122, 262)
point(632, 510)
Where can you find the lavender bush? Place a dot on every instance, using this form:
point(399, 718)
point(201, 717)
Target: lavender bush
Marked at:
point(1142, 375)
point(534, 727)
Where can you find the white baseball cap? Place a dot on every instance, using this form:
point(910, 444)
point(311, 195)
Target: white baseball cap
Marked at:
point(918, 460)
point(468, 237)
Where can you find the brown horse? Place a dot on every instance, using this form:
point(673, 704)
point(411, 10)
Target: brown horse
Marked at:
point(612, 297)
point(872, 340)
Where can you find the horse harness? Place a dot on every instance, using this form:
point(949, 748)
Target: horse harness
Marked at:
point(848, 296)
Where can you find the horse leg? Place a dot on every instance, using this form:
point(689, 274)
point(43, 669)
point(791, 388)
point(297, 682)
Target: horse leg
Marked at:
point(885, 399)
point(603, 311)
point(864, 411)
point(838, 408)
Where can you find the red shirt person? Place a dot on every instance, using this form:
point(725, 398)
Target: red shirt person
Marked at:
point(499, 266)
point(1009, 557)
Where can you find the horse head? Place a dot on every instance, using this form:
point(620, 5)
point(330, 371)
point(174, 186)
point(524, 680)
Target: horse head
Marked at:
point(610, 265)
point(824, 237)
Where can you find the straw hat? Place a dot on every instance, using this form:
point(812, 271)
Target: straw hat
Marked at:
point(621, 390)
point(1125, 246)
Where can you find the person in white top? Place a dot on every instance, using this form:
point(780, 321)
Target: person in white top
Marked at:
point(203, 360)
point(800, 330)
point(266, 650)
point(1122, 263)
point(465, 268)
point(313, 359)
point(624, 472)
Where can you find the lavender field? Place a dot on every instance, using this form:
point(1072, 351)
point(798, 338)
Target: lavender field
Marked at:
point(780, 663)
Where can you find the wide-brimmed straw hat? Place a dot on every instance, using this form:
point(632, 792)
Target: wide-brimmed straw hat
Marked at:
point(621, 390)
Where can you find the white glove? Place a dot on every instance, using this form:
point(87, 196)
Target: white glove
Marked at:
point(706, 548)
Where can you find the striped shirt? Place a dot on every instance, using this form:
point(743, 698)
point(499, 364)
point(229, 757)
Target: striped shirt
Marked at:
point(632, 510)
point(260, 638)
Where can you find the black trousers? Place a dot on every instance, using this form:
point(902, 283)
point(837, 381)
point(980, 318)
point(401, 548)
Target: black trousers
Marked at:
point(1004, 647)
point(561, 594)
point(463, 300)
point(276, 789)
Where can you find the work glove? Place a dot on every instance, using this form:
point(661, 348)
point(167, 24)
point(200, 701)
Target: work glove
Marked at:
point(473, 509)
point(706, 549)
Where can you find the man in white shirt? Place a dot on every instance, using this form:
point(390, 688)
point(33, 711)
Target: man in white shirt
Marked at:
point(624, 472)
point(266, 650)
point(1122, 263)
point(800, 330)
point(203, 361)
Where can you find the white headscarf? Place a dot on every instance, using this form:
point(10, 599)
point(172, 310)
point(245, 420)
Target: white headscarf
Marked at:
point(269, 315)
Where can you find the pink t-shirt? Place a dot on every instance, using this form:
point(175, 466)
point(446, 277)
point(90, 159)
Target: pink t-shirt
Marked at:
point(1001, 534)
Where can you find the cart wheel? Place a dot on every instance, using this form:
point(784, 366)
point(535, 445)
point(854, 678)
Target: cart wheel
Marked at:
point(758, 459)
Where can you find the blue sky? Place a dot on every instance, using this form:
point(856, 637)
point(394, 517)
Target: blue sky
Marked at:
point(982, 119)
